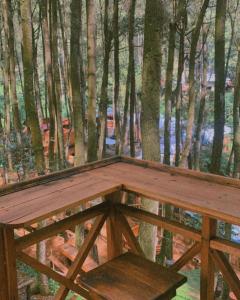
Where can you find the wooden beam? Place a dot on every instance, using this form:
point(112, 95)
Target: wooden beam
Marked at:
point(159, 221)
point(74, 270)
point(182, 171)
point(225, 246)
point(114, 235)
point(128, 234)
point(227, 271)
point(189, 254)
point(52, 274)
point(207, 266)
point(8, 273)
point(11, 188)
point(60, 226)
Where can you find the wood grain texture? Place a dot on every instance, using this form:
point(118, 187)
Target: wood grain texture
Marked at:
point(132, 277)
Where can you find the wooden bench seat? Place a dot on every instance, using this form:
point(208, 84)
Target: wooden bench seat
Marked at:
point(131, 277)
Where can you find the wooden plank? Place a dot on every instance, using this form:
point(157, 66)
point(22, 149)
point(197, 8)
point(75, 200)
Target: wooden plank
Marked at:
point(182, 261)
point(8, 274)
point(227, 271)
point(114, 235)
point(52, 274)
point(225, 246)
point(128, 234)
point(181, 191)
point(42, 208)
point(60, 226)
point(82, 254)
point(42, 180)
point(207, 266)
point(159, 221)
point(182, 171)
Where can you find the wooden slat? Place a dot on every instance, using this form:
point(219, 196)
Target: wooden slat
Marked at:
point(207, 267)
point(60, 226)
point(189, 193)
point(82, 254)
point(128, 234)
point(182, 261)
point(225, 246)
point(227, 271)
point(39, 209)
point(42, 180)
point(52, 274)
point(160, 221)
point(182, 171)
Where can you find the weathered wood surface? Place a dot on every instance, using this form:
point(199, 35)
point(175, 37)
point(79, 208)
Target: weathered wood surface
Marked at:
point(199, 192)
point(132, 277)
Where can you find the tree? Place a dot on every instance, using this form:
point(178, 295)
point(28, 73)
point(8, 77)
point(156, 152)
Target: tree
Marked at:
point(91, 53)
point(78, 110)
point(219, 102)
point(150, 100)
point(104, 87)
point(192, 93)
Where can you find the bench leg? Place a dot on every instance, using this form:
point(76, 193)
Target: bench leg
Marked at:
point(8, 273)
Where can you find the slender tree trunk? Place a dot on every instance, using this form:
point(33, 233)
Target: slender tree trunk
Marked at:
point(236, 121)
point(57, 85)
point(116, 74)
point(91, 38)
point(49, 82)
point(168, 93)
point(76, 9)
point(192, 94)
point(132, 75)
point(201, 113)
point(104, 87)
point(32, 118)
point(151, 109)
point(219, 102)
point(178, 91)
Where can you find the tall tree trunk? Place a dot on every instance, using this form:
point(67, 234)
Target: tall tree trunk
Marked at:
point(49, 82)
point(168, 93)
point(131, 19)
point(219, 102)
point(151, 109)
point(91, 41)
point(192, 94)
point(76, 9)
point(104, 87)
point(10, 38)
point(57, 85)
point(201, 113)
point(116, 73)
point(31, 113)
point(178, 90)
point(236, 121)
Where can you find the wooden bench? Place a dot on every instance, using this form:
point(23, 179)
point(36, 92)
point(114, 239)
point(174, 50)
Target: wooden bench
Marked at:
point(131, 277)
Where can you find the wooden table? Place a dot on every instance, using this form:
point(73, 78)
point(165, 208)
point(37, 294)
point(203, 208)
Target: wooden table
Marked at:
point(22, 204)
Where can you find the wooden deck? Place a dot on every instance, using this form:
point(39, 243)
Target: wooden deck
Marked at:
point(214, 197)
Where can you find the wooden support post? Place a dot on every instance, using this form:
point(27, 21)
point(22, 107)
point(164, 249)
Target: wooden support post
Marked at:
point(114, 234)
point(8, 273)
point(207, 266)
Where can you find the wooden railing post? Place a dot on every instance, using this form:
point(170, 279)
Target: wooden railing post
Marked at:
point(8, 273)
point(114, 235)
point(207, 266)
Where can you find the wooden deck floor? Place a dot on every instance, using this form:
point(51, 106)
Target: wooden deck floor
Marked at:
point(204, 196)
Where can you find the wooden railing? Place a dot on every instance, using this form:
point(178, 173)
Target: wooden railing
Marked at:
point(115, 213)
point(206, 242)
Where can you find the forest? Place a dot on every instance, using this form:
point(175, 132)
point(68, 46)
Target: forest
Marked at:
point(152, 79)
